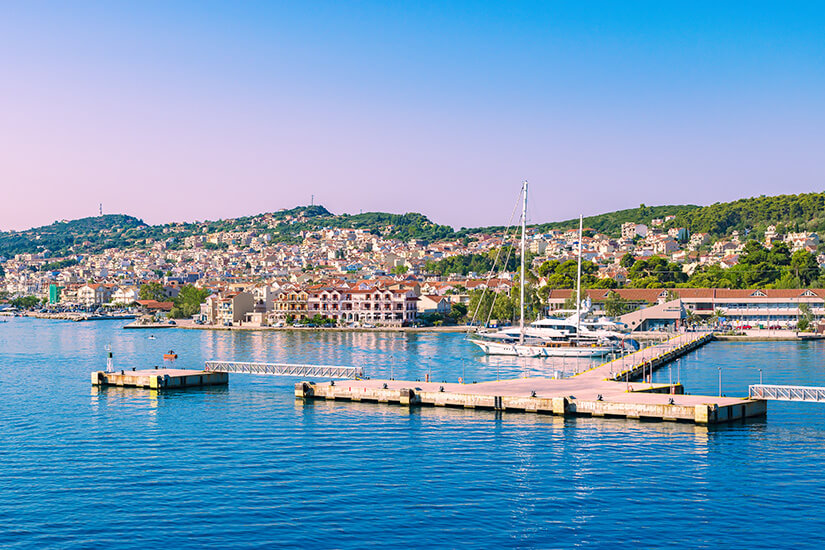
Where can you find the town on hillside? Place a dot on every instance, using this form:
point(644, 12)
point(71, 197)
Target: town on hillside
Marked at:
point(338, 276)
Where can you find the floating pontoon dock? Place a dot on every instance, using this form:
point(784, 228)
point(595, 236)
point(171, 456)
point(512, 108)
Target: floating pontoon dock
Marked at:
point(215, 373)
point(609, 390)
point(160, 378)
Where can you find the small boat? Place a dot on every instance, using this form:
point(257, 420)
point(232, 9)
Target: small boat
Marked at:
point(151, 337)
point(170, 356)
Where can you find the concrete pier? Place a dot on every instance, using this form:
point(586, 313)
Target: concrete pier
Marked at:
point(160, 379)
point(609, 390)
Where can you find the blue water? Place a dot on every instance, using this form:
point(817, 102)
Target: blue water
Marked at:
point(249, 467)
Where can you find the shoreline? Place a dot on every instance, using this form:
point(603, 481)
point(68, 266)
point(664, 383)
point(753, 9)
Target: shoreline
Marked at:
point(749, 336)
point(458, 329)
point(190, 325)
point(77, 317)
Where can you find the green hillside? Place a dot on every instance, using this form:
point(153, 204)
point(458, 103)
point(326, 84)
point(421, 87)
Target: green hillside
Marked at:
point(63, 238)
point(90, 235)
point(803, 212)
point(611, 222)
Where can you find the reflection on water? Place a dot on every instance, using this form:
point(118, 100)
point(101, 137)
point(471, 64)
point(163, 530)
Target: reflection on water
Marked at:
point(248, 465)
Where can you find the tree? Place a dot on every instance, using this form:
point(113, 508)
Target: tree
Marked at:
point(547, 267)
point(804, 267)
point(606, 282)
point(627, 261)
point(188, 301)
point(25, 302)
point(806, 317)
point(564, 274)
point(614, 304)
point(399, 270)
point(457, 312)
point(655, 272)
point(152, 291)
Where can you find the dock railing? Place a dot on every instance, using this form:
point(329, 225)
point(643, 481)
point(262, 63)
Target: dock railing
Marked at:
point(285, 369)
point(810, 394)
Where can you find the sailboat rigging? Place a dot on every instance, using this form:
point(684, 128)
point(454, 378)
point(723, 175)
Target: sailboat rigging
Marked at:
point(545, 337)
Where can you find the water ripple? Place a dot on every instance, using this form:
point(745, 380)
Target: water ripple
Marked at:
point(249, 467)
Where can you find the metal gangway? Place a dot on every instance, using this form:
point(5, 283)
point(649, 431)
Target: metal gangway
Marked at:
point(285, 369)
point(811, 394)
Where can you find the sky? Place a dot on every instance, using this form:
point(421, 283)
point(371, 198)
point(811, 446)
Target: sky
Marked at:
point(178, 111)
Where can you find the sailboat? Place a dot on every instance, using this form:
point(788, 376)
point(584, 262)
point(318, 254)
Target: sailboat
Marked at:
point(545, 337)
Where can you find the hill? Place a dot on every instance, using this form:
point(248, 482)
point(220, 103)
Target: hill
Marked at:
point(804, 212)
point(61, 238)
point(610, 223)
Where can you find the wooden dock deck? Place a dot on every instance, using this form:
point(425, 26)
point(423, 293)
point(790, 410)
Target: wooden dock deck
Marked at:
point(609, 390)
point(160, 378)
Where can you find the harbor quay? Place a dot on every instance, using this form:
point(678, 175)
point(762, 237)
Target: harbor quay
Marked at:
point(620, 388)
point(159, 378)
point(612, 389)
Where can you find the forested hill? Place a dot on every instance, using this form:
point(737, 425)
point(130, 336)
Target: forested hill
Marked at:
point(611, 222)
point(804, 212)
point(91, 234)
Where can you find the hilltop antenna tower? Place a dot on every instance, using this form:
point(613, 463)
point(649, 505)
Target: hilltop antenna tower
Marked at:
point(100, 208)
point(312, 200)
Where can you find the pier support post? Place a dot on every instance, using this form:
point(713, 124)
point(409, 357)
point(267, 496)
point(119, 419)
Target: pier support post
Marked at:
point(407, 397)
point(304, 389)
point(559, 405)
point(96, 376)
point(704, 414)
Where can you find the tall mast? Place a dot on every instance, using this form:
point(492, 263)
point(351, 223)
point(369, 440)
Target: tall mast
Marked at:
point(523, 232)
point(579, 283)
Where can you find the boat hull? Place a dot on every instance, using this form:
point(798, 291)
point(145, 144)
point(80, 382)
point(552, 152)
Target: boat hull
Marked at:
point(522, 350)
point(513, 350)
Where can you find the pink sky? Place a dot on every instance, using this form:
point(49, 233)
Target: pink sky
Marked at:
point(167, 116)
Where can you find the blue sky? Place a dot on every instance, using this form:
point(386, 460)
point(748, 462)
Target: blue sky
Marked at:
point(184, 111)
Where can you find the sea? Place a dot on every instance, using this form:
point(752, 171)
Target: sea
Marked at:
point(249, 466)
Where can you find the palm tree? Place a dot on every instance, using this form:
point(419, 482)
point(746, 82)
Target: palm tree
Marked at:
point(718, 314)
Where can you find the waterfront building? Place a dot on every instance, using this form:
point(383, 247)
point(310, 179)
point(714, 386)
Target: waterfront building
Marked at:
point(291, 302)
point(125, 296)
point(233, 307)
point(94, 294)
point(428, 303)
point(54, 293)
point(739, 308)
